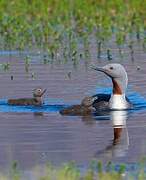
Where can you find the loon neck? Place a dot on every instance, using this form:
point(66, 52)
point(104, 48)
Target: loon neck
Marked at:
point(118, 101)
point(119, 85)
point(38, 98)
point(116, 88)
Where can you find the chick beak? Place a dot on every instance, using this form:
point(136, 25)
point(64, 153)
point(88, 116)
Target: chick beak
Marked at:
point(43, 92)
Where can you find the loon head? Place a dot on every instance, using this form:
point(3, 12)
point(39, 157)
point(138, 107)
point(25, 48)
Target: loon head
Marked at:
point(38, 92)
point(118, 75)
point(88, 101)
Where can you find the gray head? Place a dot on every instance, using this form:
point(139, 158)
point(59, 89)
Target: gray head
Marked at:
point(118, 75)
point(88, 101)
point(38, 92)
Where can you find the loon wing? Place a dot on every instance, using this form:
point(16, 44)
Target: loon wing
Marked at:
point(102, 97)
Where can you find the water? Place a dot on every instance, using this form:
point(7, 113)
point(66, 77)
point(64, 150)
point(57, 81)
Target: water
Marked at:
point(35, 135)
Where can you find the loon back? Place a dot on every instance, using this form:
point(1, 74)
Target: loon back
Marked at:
point(25, 102)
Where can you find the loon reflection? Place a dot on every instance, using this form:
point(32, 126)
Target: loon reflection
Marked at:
point(120, 142)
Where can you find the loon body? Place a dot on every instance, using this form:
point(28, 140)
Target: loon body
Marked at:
point(36, 100)
point(103, 102)
point(117, 100)
point(83, 109)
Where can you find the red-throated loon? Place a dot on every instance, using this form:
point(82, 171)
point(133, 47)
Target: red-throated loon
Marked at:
point(102, 102)
point(117, 100)
point(36, 100)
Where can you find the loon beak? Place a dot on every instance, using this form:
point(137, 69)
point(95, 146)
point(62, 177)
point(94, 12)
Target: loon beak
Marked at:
point(97, 68)
point(102, 69)
point(43, 92)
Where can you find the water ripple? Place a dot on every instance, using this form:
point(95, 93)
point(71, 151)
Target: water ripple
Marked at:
point(55, 105)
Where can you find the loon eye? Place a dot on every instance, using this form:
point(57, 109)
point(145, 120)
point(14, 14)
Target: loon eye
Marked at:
point(111, 68)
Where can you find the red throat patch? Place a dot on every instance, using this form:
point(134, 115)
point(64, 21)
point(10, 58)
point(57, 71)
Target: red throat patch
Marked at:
point(116, 88)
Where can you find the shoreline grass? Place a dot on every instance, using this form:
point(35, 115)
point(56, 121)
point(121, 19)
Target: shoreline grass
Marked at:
point(64, 31)
point(45, 24)
point(69, 171)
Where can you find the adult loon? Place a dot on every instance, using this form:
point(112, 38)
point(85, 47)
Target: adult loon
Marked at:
point(117, 100)
point(36, 100)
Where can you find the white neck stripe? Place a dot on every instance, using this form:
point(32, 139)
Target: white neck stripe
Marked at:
point(118, 102)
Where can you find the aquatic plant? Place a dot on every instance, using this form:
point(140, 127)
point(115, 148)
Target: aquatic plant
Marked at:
point(65, 31)
point(27, 63)
point(33, 75)
point(47, 24)
point(45, 59)
point(131, 50)
point(109, 55)
point(69, 171)
point(15, 174)
point(5, 66)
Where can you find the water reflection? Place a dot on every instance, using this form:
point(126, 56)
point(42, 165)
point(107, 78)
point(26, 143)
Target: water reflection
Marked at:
point(88, 120)
point(120, 142)
point(38, 114)
point(121, 137)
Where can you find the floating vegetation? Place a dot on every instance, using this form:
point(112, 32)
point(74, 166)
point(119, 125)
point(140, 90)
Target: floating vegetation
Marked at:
point(5, 66)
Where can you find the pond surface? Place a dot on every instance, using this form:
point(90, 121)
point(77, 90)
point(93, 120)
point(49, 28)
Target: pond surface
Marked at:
point(34, 136)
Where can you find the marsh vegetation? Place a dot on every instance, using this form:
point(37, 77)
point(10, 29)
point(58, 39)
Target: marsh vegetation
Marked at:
point(69, 171)
point(60, 29)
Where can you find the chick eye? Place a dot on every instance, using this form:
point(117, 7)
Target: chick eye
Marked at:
point(111, 68)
